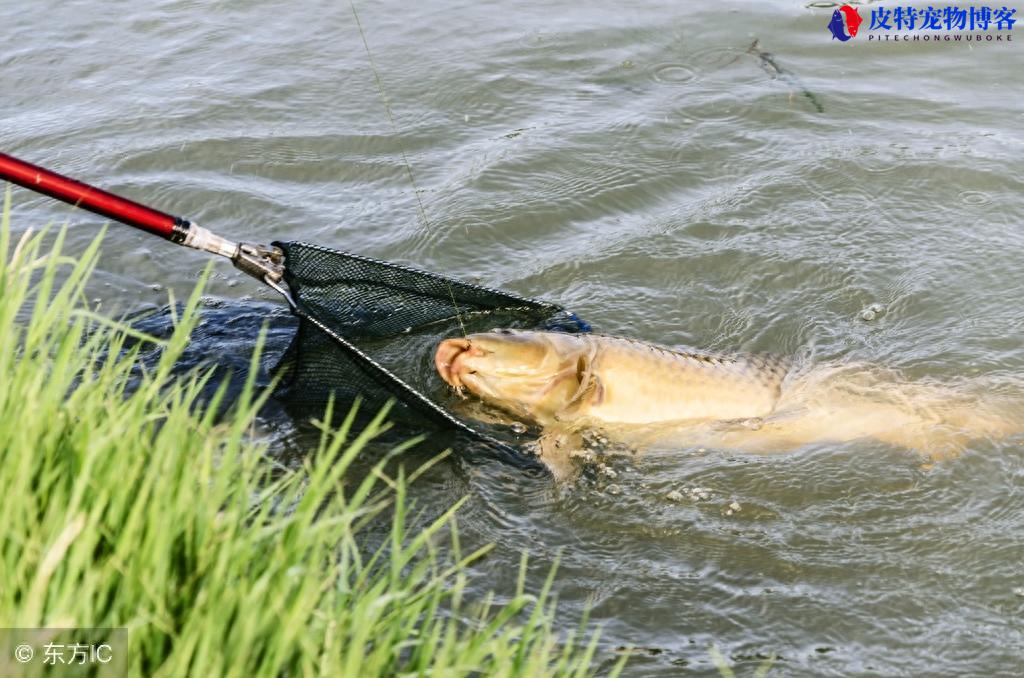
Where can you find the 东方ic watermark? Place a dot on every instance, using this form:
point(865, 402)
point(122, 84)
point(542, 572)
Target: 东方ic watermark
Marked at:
point(89, 651)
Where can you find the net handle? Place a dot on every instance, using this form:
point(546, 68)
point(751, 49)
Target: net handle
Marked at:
point(264, 263)
point(93, 199)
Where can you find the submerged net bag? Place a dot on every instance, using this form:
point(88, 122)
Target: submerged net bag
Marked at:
point(368, 330)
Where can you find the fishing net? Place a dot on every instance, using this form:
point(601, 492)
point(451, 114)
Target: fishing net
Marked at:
point(368, 330)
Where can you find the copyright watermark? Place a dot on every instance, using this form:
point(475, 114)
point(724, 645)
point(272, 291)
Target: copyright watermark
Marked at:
point(62, 651)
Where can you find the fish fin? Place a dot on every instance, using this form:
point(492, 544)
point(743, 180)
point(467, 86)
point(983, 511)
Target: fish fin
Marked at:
point(590, 392)
point(557, 447)
point(596, 390)
point(590, 389)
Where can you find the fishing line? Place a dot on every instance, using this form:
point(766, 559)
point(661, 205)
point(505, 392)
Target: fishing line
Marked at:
point(405, 159)
point(457, 314)
point(391, 118)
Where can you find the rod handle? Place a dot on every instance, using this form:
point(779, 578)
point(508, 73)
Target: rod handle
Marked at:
point(96, 200)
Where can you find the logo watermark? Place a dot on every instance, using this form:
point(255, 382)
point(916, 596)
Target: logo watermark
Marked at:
point(845, 23)
point(952, 23)
point(62, 652)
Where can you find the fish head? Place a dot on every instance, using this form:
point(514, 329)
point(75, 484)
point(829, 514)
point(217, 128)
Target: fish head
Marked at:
point(531, 374)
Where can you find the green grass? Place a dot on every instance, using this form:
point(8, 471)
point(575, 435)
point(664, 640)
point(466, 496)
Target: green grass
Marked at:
point(132, 505)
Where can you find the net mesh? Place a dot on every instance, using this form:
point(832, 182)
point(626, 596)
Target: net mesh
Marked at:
point(368, 330)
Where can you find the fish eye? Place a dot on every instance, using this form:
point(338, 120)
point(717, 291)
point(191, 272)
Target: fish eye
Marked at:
point(500, 330)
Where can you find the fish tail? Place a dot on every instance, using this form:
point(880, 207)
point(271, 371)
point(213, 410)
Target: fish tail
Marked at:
point(938, 421)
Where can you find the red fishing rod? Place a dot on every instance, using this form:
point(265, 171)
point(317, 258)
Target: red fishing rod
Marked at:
point(262, 262)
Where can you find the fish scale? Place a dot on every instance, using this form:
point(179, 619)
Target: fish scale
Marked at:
point(644, 383)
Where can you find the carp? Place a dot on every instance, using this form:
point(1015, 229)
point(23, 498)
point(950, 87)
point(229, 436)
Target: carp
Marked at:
point(638, 393)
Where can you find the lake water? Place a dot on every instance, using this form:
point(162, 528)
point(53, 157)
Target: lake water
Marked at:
point(642, 166)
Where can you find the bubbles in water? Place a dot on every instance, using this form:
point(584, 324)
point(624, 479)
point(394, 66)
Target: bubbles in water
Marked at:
point(587, 456)
point(689, 493)
point(872, 312)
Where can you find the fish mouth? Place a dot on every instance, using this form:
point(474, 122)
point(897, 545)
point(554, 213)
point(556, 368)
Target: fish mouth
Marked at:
point(449, 360)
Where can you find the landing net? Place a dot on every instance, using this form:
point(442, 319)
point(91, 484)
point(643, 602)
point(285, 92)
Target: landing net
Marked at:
point(368, 330)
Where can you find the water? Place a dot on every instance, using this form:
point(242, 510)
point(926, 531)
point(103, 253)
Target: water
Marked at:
point(638, 165)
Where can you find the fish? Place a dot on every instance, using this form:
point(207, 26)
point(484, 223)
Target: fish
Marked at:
point(837, 28)
point(853, 20)
point(548, 377)
point(644, 394)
